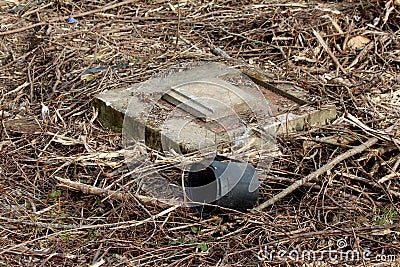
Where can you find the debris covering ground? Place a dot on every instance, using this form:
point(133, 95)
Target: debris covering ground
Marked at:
point(55, 56)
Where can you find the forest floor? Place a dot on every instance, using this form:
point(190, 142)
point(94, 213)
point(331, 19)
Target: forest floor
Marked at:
point(345, 53)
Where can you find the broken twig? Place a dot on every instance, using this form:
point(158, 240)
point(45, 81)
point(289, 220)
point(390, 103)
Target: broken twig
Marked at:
point(93, 190)
point(358, 149)
point(325, 46)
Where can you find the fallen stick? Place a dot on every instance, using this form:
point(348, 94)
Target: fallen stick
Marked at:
point(325, 46)
point(358, 149)
point(93, 190)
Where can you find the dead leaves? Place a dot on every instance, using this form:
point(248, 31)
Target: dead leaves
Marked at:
point(358, 42)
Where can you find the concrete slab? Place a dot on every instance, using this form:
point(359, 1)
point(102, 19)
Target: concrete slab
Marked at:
point(209, 99)
point(210, 105)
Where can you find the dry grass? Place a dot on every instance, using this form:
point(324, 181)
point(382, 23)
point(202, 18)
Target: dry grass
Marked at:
point(345, 53)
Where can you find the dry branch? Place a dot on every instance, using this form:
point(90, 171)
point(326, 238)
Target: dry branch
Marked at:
point(93, 190)
point(358, 149)
point(325, 46)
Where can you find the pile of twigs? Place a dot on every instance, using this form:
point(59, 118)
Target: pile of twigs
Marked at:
point(68, 197)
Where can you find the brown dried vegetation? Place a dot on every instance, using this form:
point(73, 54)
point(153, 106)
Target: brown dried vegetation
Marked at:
point(346, 53)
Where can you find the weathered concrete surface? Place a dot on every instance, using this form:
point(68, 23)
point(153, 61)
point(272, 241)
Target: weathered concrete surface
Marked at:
point(150, 113)
point(111, 107)
point(209, 99)
point(306, 119)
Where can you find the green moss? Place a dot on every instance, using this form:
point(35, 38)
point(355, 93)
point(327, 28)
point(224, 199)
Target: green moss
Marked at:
point(387, 216)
